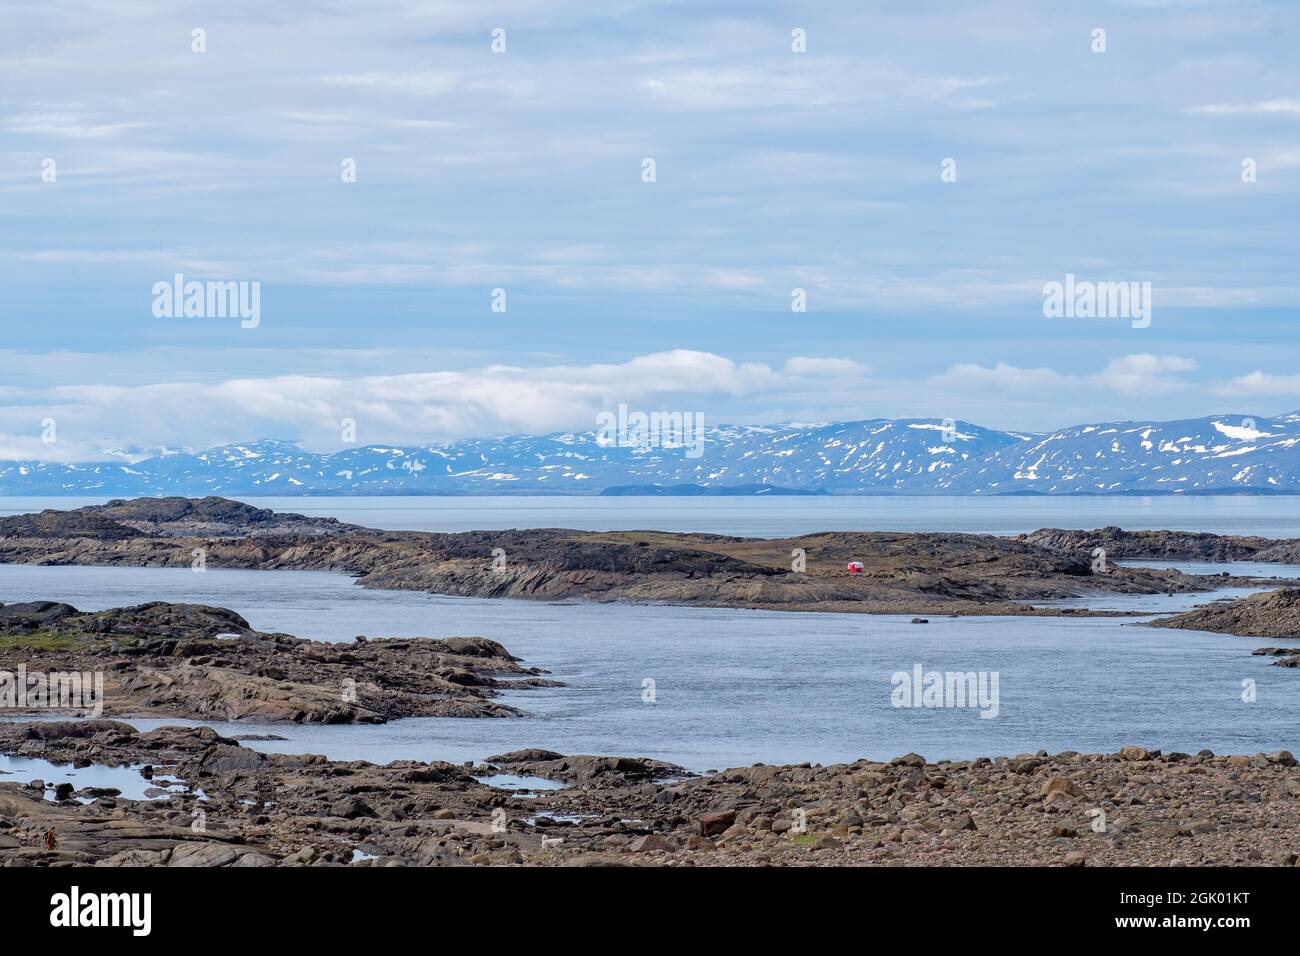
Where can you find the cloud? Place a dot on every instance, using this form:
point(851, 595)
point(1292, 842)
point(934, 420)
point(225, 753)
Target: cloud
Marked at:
point(431, 83)
point(776, 171)
point(966, 375)
point(1144, 374)
point(97, 421)
point(803, 367)
point(71, 123)
point(800, 84)
point(1139, 374)
point(126, 421)
point(1260, 383)
point(1283, 106)
point(771, 163)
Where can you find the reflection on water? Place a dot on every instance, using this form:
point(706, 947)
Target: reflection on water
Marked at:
point(520, 783)
point(126, 779)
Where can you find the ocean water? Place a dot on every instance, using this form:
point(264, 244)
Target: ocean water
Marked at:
point(1277, 516)
point(127, 778)
point(733, 687)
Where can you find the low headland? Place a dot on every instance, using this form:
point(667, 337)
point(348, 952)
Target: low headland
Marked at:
point(901, 573)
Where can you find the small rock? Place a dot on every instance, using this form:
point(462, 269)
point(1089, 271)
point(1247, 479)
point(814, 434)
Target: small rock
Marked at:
point(736, 831)
point(202, 854)
point(1058, 801)
point(350, 809)
point(715, 823)
point(1060, 785)
point(908, 760)
point(301, 858)
point(652, 843)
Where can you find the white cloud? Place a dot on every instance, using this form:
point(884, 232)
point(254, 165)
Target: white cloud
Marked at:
point(967, 375)
point(1139, 374)
point(430, 82)
point(1145, 373)
point(804, 367)
point(126, 420)
point(70, 123)
point(1282, 106)
point(410, 408)
point(1260, 383)
point(776, 170)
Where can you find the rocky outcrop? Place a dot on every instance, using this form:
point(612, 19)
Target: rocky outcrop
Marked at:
point(1271, 614)
point(56, 525)
point(1140, 807)
point(210, 516)
point(153, 621)
point(1287, 656)
point(584, 769)
point(121, 519)
point(184, 660)
point(1166, 545)
point(902, 573)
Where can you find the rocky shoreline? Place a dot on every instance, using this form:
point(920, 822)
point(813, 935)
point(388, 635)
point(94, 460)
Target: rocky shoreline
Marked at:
point(902, 573)
point(207, 663)
point(219, 803)
point(1269, 614)
point(1168, 545)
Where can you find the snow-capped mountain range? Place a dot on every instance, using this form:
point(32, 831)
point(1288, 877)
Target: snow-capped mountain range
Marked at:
point(1230, 454)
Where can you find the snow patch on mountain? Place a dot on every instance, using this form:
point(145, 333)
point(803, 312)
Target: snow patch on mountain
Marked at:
point(1225, 453)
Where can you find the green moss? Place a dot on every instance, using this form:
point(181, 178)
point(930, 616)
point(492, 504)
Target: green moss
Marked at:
point(42, 641)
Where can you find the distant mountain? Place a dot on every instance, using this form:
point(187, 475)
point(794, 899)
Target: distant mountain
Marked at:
point(1215, 455)
point(696, 491)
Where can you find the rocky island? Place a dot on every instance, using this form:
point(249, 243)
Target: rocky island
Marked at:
point(901, 573)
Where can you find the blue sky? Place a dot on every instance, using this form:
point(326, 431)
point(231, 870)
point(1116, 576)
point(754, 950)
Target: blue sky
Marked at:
point(522, 170)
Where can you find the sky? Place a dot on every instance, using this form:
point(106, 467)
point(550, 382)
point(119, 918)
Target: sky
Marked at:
point(920, 170)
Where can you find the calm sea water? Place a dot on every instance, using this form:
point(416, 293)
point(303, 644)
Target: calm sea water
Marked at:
point(737, 687)
point(782, 517)
point(126, 778)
